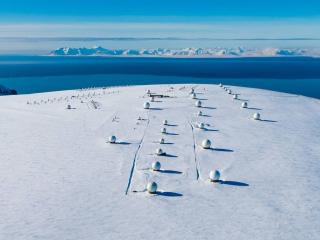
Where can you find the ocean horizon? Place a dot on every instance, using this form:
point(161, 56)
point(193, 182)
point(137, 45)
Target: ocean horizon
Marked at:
point(33, 74)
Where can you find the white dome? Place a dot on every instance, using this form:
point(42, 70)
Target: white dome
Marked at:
point(194, 96)
point(159, 151)
point(156, 166)
point(214, 176)
point(199, 113)
point(148, 91)
point(235, 96)
point(191, 91)
point(146, 105)
point(244, 105)
point(161, 141)
point(229, 91)
point(220, 84)
point(256, 116)
point(165, 122)
point(152, 187)
point(69, 106)
point(152, 99)
point(198, 103)
point(112, 139)
point(163, 130)
point(201, 125)
point(206, 144)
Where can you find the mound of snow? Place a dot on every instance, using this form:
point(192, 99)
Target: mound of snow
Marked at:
point(60, 178)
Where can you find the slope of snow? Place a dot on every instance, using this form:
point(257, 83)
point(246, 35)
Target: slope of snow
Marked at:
point(187, 52)
point(60, 179)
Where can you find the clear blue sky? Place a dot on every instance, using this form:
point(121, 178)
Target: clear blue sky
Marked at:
point(188, 10)
point(157, 19)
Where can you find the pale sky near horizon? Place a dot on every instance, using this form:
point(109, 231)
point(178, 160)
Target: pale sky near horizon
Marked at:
point(214, 29)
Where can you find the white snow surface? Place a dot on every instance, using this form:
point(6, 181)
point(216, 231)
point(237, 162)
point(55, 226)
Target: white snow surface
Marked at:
point(60, 179)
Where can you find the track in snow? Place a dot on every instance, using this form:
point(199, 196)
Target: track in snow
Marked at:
point(194, 151)
point(136, 156)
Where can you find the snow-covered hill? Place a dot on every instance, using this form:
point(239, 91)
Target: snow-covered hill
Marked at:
point(61, 179)
point(187, 52)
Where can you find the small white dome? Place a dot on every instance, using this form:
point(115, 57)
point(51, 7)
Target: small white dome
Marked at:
point(198, 103)
point(152, 99)
point(146, 105)
point(235, 96)
point(244, 105)
point(112, 139)
point(148, 91)
point(191, 91)
point(159, 151)
point(69, 106)
point(163, 130)
point(161, 141)
point(152, 187)
point(165, 122)
point(156, 166)
point(201, 125)
point(256, 116)
point(229, 91)
point(194, 96)
point(214, 176)
point(199, 113)
point(206, 144)
point(220, 84)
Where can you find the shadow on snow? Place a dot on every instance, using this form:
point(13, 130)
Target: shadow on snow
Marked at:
point(169, 194)
point(234, 183)
point(169, 171)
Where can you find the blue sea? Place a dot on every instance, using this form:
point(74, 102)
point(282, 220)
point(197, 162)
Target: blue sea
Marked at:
point(32, 74)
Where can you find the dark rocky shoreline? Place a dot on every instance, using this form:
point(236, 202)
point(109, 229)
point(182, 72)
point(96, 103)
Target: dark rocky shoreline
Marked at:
point(6, 91)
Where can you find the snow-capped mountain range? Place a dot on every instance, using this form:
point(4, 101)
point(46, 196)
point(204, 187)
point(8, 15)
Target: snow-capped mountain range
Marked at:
point(185, 52)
